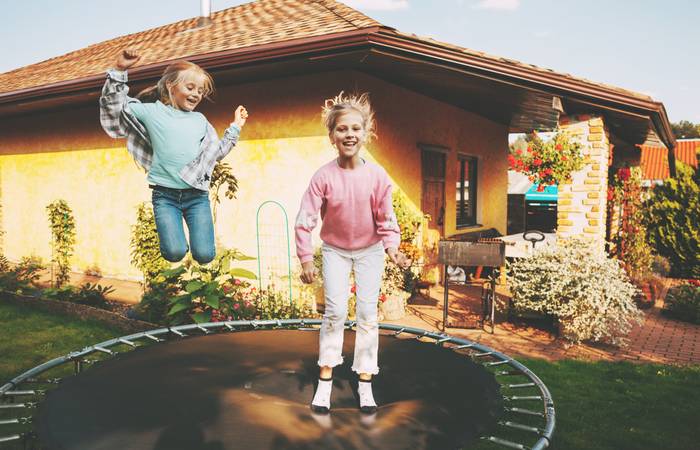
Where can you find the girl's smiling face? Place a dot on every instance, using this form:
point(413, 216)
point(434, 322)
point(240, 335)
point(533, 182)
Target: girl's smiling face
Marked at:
point(188, 92)
point(348, 134)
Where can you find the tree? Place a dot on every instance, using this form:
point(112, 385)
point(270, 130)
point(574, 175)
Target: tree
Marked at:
point(686, 130)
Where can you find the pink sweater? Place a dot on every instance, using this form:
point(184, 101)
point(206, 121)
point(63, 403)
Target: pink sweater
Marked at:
point(355, 207)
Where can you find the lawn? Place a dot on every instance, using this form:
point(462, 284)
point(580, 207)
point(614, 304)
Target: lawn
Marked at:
point(599, 405)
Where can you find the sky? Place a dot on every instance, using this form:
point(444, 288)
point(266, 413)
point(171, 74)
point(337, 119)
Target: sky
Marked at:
point(648, 46)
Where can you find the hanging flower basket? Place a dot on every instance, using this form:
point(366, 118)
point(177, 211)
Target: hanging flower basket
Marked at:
point(547, 163)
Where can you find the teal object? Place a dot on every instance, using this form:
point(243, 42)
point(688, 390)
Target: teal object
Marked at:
point(286, 235)
point(550, 194)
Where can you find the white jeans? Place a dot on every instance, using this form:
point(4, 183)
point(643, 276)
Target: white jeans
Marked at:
point(368, 265)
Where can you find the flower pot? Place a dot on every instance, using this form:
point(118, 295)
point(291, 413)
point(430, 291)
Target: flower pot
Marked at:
point(393, 308)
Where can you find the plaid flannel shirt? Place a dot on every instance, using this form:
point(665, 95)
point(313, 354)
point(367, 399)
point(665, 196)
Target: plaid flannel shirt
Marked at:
point(118, 122)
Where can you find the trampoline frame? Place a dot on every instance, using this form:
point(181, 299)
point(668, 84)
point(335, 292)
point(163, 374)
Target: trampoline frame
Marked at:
point(482, 354)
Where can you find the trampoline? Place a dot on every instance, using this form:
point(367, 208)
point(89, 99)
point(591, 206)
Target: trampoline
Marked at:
point(248, 384)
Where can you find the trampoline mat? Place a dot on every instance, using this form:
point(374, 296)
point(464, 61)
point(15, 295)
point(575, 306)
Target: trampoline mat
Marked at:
point(252, 389)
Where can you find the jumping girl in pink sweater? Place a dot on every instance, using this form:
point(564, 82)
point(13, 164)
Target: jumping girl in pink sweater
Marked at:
point(359, 226)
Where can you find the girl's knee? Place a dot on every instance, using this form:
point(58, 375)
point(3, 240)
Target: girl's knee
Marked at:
point(173, 254)
point(204, 258)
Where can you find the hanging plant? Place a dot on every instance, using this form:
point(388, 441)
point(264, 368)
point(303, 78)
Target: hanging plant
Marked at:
point(62, 239)
point(547, 163)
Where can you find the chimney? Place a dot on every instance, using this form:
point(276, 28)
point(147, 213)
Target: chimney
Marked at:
point(205, 13)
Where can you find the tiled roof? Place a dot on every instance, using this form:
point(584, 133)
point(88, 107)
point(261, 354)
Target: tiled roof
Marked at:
point(257, 23)
point(654, 160)
point(252, 24)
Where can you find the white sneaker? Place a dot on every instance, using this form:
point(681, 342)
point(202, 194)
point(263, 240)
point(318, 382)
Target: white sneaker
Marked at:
point(322, 399)
point(367, 403)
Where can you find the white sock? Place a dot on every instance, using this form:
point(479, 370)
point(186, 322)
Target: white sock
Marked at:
point(364, 390)
point(322, 399)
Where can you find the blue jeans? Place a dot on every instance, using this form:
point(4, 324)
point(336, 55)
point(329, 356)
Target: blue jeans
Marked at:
point(170, 206)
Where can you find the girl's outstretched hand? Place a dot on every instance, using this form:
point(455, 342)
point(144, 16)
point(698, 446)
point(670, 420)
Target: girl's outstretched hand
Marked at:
point(398, 258)
point(240, 116)
point(127, 58)
point(308, 272)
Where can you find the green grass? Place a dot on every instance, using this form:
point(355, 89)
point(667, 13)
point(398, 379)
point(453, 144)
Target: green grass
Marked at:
point(601, 405)
point(28, 338)
point(620, 405)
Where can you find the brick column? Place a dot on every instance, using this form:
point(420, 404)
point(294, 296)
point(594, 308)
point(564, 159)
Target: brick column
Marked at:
point(581, 208)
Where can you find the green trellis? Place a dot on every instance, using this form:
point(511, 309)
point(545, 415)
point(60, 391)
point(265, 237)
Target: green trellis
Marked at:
point(272, 240)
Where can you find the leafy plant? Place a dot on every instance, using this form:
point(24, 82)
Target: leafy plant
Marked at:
point(672, 218)
point(630, 239)
point(222, 175)
point(200, 287)
point(21, 278)
point(547, 163)
point(588, 292)
point(683, 303)
point(87, 294)
point(145, 245)
point(62, 239)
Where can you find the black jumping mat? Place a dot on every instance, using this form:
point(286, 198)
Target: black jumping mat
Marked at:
point(252, 389)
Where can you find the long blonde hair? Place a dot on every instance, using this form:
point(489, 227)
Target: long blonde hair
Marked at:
point(341, 104)
point(174, 74)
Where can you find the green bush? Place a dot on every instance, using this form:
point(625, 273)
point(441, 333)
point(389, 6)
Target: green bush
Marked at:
point(22, 278)
point(145, 246)
point(683, 303)
point(588, 292)
point(87, 294)
point(62, 239)
point(673, 215)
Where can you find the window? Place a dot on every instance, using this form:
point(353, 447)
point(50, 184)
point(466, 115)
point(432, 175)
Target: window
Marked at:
point(466, 192)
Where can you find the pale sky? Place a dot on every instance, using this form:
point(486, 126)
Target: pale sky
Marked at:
point(648, 46)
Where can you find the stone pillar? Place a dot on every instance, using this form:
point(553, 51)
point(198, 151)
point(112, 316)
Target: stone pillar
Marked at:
point(582, 204)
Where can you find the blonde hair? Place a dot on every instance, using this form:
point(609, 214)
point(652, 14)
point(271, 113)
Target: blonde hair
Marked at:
point(173, 75)
point(342, 104)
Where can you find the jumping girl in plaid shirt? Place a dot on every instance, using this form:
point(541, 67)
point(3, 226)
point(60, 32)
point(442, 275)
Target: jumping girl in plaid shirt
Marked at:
point(177, 146)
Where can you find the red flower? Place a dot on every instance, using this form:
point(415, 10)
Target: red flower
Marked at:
point(519, 152)
point(529, 149)
point(537, 162)
point(226, 288)
point(237, 282)
point(558, 147)
point(540, 187)
point(624, 173)
point(382, 298)
point(236, 306)
point(563, 158)
point(353, 289)
point(548, 171)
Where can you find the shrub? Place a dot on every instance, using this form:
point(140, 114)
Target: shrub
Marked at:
point(683, 303)
point(673, 214)
point(87, 294)
point(21, 278)
point(145, 246)
point(588, 292)
point(661, 265)
point(62, 239)
point(630, 237)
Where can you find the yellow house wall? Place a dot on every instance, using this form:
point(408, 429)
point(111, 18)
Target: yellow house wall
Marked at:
point(66, 155)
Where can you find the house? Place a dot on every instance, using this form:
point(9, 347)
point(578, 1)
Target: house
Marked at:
point(654, 159)
point(443, 112)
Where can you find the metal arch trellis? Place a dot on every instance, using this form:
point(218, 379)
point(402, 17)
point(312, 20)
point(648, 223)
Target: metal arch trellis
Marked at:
point(286, 233)
point(488, 358)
